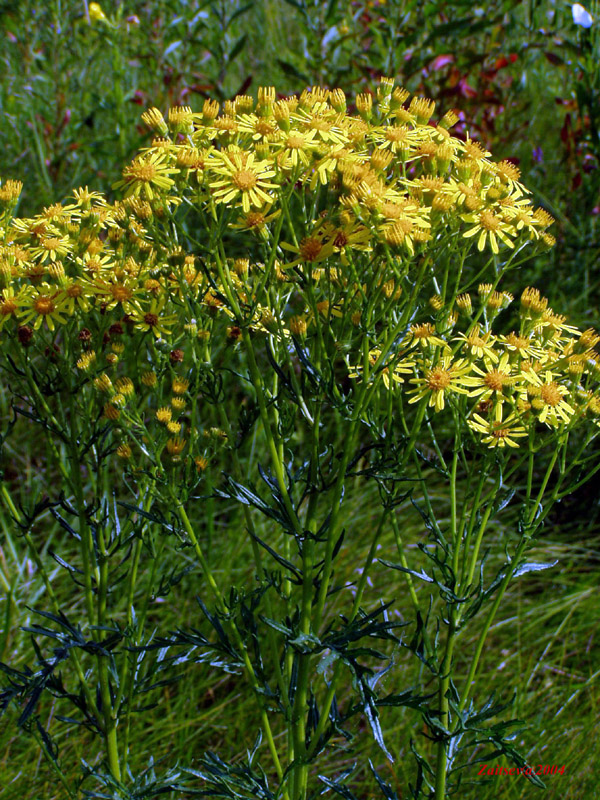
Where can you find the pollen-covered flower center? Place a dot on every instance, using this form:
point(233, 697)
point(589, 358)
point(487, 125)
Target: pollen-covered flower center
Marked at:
point(319, 124)
point(7, 308)
point(264, 128)
point(141, 172)
point(121, 293)
point(244, 179)
point(51, 244)
point(423, 331)
point(151, 319)
point(74, 291)
point(520, 342)
point(496, 380)
point(295, 142)
point(255, 218)
point(310, 248)
point(489, 221)
point(439, 379)
point(44, 305)
point(550, 394)
point(396, 133)
point(501, 433)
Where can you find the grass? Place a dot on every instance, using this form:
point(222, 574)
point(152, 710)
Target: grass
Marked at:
point(543, 649)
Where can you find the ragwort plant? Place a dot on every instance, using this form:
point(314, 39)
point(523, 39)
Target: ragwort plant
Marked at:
point(290, 303)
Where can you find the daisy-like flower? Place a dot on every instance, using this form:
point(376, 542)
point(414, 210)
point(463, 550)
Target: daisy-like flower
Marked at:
point(256, 221)
point(51, 247)
point(524, 346)
point(74, 296)
point(547, 398)
point(398, 139)
point(489, 225)
point(152, 318)
point(443, 378)
point(43, 305)
point(312, 249)
point(390, 374)
point(243, 178)
point(491, 382)
point(478, 344)
point(323, 124)
point(147, 176)
point(424, 335)
point(10, 303)
point(260, 129)
point(498, 432)
point(111, 290)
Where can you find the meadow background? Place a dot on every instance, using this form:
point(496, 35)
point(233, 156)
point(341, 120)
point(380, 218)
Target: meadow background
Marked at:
point(74, 79)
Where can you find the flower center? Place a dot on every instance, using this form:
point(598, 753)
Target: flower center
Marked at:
point(310, 248)
point(255, 218)
point(51, 244)
point(489, 221)
point(295, 142)
point(439, 379)
point(319, 124)
point(422, 331)
point(396, 133)
point(121, 293)
point(244, 179)
point(44, 305)
point(141, 172)
point(550, 394)
point(495, 380)
point(151, 319)
point(7, 308)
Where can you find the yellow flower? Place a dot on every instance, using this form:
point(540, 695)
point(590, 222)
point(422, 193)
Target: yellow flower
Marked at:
point(547, 399)
point(478, 344)
point(242, 178)
point(51, 247)
point(489, 225)
point(424, 335)
point(498, 432)
point(491, 383)
point(45, 304)
point(152, 318)
point(444, 377)
point(146, 175)
point(96, 13)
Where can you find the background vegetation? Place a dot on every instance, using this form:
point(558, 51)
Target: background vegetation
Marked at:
point(75, 79)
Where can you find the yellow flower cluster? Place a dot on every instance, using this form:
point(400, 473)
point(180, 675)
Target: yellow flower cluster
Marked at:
point(392, 176)
point(546, 372)
point(327, 212)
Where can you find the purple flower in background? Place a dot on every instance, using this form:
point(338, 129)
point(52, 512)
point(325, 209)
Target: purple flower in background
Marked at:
point(538, 155)
point(581, 16)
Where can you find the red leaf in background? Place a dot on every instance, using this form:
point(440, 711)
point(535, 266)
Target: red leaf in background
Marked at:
point(566, 132)
point(553, 58)
point(501, 62)
point(466, 90)
point(441, 61)
point(577, 181)
point(513, 57)
point(138, 98)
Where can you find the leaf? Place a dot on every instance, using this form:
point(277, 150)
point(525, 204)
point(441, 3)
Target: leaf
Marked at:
point(290, 70)
point(533, 566)
point(422, 575)
point(237, 47)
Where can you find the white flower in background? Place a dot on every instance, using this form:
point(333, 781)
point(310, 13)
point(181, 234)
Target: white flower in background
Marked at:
point(581, 16)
